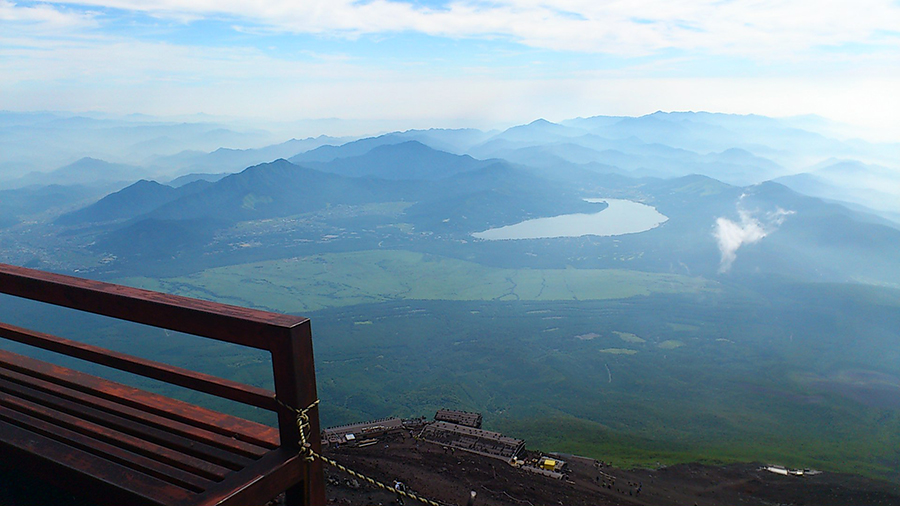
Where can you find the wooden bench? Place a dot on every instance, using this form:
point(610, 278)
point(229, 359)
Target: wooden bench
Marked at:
point(114, 444)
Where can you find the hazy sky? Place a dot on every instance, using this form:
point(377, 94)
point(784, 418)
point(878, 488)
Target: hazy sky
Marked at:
point(453, 63)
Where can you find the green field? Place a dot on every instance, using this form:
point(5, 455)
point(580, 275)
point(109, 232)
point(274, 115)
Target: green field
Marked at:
point(301, 285)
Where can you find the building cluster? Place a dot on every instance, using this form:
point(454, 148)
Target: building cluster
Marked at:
point(360, 433)
point(458, 417)
point(452, 430)
point(470, 439)
point(790, 472)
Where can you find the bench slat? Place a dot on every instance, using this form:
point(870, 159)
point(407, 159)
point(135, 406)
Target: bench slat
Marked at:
point(115, 438)
point(133, 428)
point(188, 431)
point(279, 466)
point(200, 382)
point(44, 438)
point(174, 409)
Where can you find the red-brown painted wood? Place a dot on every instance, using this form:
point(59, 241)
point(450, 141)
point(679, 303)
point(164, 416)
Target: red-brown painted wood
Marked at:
point(248, 327)
point(106, 451)
point(190, 432)
point(283, 465)
point(166, 407)
point(190, 448)
point(295, 384)
point(147, 449)
point(200, 382)
point(99, 433)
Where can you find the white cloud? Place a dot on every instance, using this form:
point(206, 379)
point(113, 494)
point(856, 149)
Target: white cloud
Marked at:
point(731, 235)
point(108, 62)
point(765, 29)
point(124, 76)
point(41, 18)
point(59, 56)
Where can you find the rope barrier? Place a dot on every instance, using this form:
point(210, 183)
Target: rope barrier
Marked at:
point(375, 482)
point(311, 455)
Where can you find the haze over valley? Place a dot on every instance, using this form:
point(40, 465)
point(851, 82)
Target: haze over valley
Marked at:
point(660, 235)
point(708, 304)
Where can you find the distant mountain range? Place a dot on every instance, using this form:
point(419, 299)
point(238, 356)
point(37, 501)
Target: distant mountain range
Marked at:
point(871, 187)
point(233, 160)
point(135, 200)
point(86, 171)
point(445, 193)
point(736, 149)
point(359, 200)
point(40, 142)
point(430, 190)
point(407, 160)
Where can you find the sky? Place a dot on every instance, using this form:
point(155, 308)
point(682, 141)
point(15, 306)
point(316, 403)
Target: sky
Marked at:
point(433, 63)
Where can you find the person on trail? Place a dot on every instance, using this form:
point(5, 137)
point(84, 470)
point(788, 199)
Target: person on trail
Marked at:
point(399, 487)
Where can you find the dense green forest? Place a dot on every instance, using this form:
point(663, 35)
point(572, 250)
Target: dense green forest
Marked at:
point(799, 374)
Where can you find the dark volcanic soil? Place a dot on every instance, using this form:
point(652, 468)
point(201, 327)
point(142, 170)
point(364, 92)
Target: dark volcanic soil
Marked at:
point(448, 476)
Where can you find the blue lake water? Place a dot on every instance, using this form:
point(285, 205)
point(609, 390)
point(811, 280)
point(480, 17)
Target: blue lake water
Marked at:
point(621, 217)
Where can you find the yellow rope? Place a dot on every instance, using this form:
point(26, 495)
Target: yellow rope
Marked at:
point(372, 481)
point(306, 447)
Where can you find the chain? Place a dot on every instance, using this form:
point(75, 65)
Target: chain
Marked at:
point(311, 455)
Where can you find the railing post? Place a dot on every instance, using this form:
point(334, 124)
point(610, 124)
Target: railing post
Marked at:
point(295, 385)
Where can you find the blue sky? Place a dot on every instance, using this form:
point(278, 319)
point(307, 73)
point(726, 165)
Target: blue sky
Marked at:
point(454, 63)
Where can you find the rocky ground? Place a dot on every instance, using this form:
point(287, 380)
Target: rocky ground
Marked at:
point(448, 476)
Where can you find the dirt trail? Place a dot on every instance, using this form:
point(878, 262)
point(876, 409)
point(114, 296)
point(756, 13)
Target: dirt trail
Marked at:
point(447, 476)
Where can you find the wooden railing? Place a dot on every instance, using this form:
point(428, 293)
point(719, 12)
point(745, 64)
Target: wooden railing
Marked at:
point(287, 338)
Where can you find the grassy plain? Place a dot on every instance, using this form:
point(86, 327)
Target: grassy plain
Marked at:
point(619, 351)
point(303, 284)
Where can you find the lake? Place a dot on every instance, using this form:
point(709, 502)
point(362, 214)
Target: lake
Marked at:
point(621, 217)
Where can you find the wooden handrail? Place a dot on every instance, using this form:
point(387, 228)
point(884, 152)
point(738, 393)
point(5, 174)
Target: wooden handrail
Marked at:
point(233, 324)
